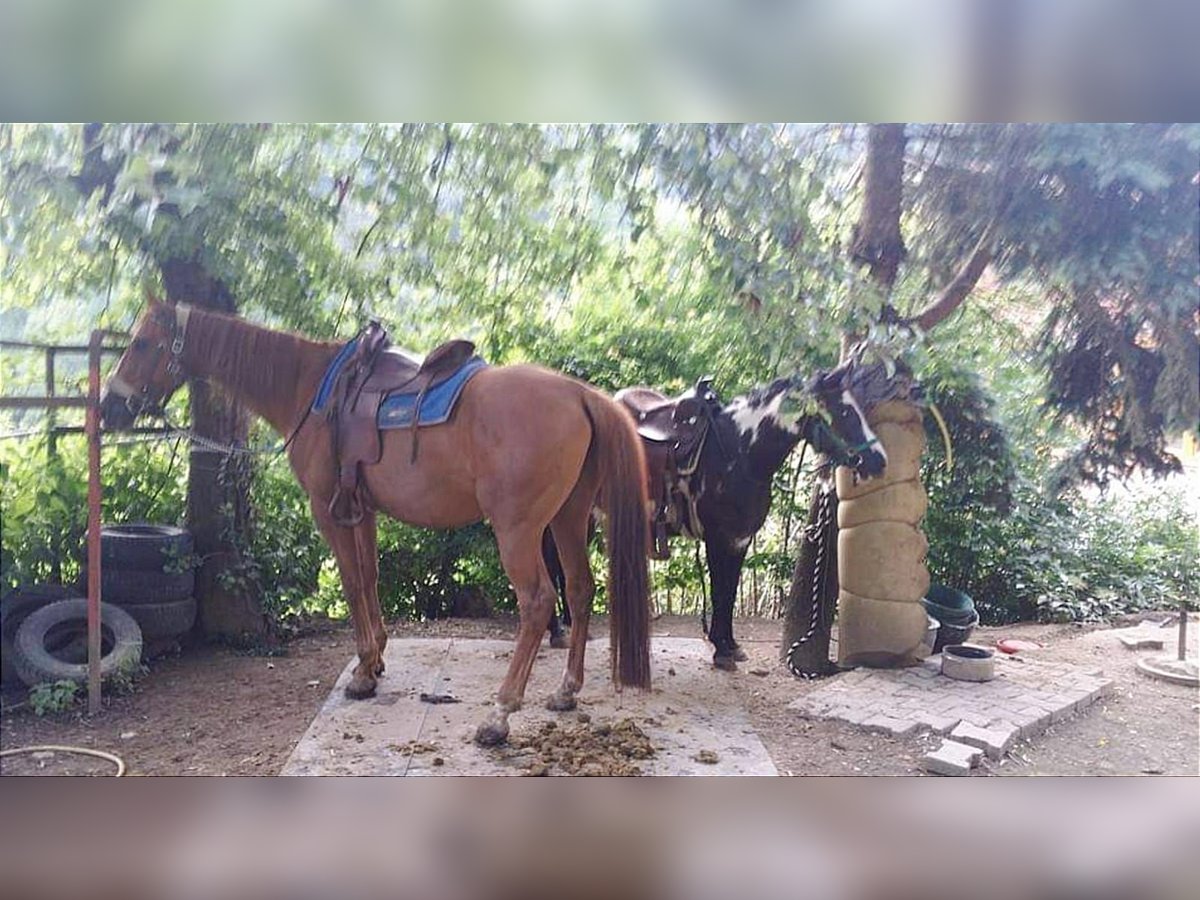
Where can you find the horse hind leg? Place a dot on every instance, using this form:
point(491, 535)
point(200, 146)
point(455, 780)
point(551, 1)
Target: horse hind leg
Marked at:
point(358, 563)
point(522, 559)
point(725, 560)
point(559, 639)
point(570, 529)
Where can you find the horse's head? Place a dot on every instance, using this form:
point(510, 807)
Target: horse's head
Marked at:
point(842, 432)
point(150, 370)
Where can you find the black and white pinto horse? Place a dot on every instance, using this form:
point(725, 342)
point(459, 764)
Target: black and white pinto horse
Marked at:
point(749, 440)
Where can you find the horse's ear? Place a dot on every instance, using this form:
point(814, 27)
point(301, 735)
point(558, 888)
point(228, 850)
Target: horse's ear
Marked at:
point(826, 382)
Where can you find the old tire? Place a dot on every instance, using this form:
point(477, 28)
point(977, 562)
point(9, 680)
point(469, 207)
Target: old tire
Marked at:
point(133, 587)
point(15, 607)
point(160, 621)
point(35, 664)
point(142, 547)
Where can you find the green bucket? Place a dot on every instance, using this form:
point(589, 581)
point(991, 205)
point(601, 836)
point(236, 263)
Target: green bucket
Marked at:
point(956, 613)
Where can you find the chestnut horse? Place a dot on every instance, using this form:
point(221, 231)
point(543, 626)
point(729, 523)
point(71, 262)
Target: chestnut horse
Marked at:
point(526, 448)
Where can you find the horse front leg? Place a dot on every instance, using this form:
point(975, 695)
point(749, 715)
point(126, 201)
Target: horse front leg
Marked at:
point(725, 559)
point(358, 563)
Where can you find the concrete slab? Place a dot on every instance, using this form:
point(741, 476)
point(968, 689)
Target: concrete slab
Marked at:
point(690, 709)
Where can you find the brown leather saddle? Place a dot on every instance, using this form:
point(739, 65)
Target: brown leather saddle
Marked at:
point(673, 431)
point(374, 370)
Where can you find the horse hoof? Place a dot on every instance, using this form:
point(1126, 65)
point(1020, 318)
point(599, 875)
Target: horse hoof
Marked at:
point(559, 703)
point(559, 641)
point(360, 688)
point(739, 654)
point(725, 663)
point(489, 734)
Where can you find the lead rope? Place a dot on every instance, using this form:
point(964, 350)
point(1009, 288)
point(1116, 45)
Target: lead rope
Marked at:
point(816, 535)
point(703, 589)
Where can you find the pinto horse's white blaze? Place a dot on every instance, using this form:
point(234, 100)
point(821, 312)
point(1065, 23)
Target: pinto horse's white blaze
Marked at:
point(869, 436)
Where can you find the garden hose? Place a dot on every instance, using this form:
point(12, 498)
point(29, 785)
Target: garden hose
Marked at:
point(82, 751)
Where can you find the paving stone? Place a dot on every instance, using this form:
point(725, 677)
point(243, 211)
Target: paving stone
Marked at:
point(974, 718)
point(991, 740)
point(857, 715)
point(890, 725)
point(1064, 712)
point(1031, 725)
point(951, 758)
point(1142, 643)
point(940, 724)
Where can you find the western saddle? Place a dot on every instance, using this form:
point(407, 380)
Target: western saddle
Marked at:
point(374, 370)
point(673, 432)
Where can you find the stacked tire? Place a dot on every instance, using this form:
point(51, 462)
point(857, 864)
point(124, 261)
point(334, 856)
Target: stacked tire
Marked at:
point(15, 607)
point(51, 643)
point(147, 571)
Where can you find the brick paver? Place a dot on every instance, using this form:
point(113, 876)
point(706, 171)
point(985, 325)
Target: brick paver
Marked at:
point(1024, 698)
point(951, 758)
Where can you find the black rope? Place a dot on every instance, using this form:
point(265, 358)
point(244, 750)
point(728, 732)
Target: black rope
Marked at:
point(818, 534)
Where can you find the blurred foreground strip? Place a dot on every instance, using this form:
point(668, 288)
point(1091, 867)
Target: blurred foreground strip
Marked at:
point(647, 838)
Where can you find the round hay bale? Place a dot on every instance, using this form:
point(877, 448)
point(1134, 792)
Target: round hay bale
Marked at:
point(879, 633)
point(904, 501)
point(884, 561)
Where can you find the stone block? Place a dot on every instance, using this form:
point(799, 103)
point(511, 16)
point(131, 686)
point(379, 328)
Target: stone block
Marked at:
point(992, 740)
point(951, 758)
point(1141, 641)
point(935, 722)
point(890, 725)
point(857, 715)
point(1034, 723)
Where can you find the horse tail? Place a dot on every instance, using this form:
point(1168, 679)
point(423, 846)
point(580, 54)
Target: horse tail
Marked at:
point(618, 449)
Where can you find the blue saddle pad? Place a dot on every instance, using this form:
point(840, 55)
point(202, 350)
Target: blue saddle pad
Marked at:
point(396, 411)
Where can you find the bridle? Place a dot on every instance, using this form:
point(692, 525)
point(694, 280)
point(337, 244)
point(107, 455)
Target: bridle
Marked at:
point(150, 397)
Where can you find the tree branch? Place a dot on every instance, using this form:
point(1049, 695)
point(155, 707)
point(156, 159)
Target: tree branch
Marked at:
point(953, 294)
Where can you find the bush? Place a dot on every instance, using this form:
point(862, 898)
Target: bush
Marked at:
point(53, 697)
point(1123, 552)
point(45, 501)
point(1023, 553)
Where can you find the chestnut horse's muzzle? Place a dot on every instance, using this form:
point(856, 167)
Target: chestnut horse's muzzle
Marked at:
point(116, 413)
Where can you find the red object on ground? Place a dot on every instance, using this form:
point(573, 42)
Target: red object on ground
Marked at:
point(1015, 645)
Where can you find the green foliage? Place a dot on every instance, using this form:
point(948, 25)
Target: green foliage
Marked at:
point(1119, 553)
point(53, 697)
point(637, 255)
point(124, 679)
point(45, 501)
point(1023, 552)
point(422, 572)
point(285, 552)
point(1103, 219)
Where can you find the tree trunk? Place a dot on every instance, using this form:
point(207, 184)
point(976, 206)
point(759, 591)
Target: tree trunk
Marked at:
point(218, 500)
point(877, 242)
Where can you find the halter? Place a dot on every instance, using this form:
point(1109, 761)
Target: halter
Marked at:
point(136, 401)
point(847, 451)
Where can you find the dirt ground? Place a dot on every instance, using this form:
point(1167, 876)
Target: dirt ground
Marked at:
point(217, 711)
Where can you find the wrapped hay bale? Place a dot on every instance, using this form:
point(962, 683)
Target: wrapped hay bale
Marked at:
point(881, 549)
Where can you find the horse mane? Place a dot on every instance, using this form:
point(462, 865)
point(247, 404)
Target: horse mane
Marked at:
point(251, 358)
point(761, 394)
